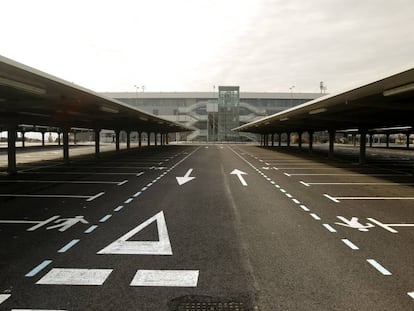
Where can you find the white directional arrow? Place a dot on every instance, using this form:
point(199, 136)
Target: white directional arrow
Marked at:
point(239, 174)
point(186, 178)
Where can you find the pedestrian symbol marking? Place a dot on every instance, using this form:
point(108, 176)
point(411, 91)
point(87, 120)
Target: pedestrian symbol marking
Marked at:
point(63, 224)
point(160, 247)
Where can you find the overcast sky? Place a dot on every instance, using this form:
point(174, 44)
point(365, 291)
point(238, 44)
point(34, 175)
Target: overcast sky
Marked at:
point(191, 45)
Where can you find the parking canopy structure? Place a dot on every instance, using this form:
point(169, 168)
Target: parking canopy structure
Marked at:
point(31, 97)
point(384, 104)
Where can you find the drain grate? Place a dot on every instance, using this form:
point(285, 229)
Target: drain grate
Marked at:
point(212, 306)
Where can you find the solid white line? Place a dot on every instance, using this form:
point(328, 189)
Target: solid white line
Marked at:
point(46, 196)
point(37, 310)
point(375, 198)
point(295, 201)
point(329, 227)
point(331, 198)
point(288, 175)
point(61, 181)
point(303, 183)
point(164, 278)
point(411, 294)
point(123, 182)
point(350, 244)
point(128, 200)
point(95, 196)
point(80, 173)
point(105, 218)
point(62, 276)
point(139, 174)
point(90, 229)
point(38, 268)
point(338, 174)
point(361, 183)
point(68, 246)
point(314, 216)
point(379, 267)
point(304, 208)
point(4, 297)
point(117, 209)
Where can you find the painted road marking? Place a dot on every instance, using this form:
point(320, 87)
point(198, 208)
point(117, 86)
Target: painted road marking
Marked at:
point(123, 182)
point(373, 198)
point(315, 216)
point(160, 247)
point(129, 200)
point(82, 173)
point(117, 209)
point(388, 226)
point(95, 196)
point(379, 267)
point(288, 195)
point(170, 278)
point(90, 229)
point(137, 194)
point(68, 246)
point(38, 268)
point(4, 297)
point(331, 198)
point(186, 178)
point(239, 175)
point(350, 244)
point(411, 294)
point(65, 182)
point(105, 218)
point(304, 208)
point(139, 174)
point(39, 223)
point(295, 201)
point(345, 174)
point(45, 196)
point(37, 310)
point(283, 190)
point(329, 228)
point(357, 183)
point(63, 276)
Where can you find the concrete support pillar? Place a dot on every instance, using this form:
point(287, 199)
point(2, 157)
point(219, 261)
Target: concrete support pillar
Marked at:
point(310, 141)
point(128, 139)
point(362, 146)
point(387, 140)
point(331, 143)
point(300, 140)
point(23, 139)
point(117, 132)
point(288, 139)
point(97, 142)
point(273, 139)
point(408, 140)
point(65, 133)
point(149, 138)
point(11, 149)
point(279, 139)
point(43, 139)
point(139, 139)
point(370, 139)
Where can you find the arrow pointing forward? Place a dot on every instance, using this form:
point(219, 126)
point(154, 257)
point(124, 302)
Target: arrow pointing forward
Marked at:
point(239, 174)
point(186, 178)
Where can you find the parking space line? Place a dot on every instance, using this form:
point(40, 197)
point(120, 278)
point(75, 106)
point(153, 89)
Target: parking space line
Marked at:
point(331, 198)
point(350, 244)
point(37, 310)
point(166, 278)
point(65, 182)
point(38, 268)
point(345, 174)
point(374, 198)
point(45, 196)
point(82, 173)
point(68, 246)
point(329, 228)
point(95, 196)
point(123, 182)
point(62, 276)
point(308, 184)
point(379, 267)
point(304, 183)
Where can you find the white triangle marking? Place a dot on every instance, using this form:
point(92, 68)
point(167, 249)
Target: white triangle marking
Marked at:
point(161, 247)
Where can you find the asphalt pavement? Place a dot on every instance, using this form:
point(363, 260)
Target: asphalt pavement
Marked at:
point(208, 227)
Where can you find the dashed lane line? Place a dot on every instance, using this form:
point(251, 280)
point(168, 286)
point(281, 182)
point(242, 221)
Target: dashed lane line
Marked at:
point(329, 228)
point(350, 244)
point(118, 208)
point(91, 229)
point(127, 201)
point(379, 267)
point(38, 268)
point(105, 218)
point(315, 216)
point(68, 246)
point(304, 208)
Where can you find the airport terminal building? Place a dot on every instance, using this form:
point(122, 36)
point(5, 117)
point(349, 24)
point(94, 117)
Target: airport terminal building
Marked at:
point(212, 115)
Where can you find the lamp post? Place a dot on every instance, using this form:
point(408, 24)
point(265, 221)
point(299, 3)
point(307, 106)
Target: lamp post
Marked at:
point(136, 94)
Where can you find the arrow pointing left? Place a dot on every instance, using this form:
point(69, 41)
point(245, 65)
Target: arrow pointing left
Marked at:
point(186, 178)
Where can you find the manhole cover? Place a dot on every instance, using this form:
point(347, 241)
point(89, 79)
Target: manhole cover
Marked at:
point(211, 306)
point(207, 303)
